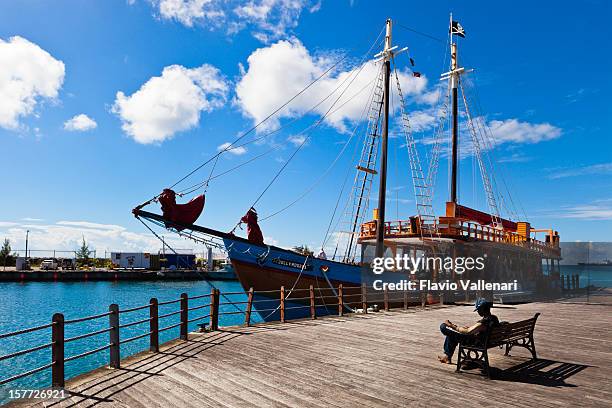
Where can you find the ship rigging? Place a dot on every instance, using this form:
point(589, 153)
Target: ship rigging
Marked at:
point(511, 245)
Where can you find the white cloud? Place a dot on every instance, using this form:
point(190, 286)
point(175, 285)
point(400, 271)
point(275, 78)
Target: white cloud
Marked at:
point(80, 123)
point(603, 168)
point(297, 140)
point(514, 158)
point(238, 150)
point(68, 235)
point(510, 132)
point(28, 75)
point(189, 11)
point(269, 19)
point(598, 210)
point(278, 72)
point(421, 120)
point(170, 103)
point(515, 131)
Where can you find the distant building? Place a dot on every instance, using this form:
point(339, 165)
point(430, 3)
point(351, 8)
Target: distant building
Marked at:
point(131, 260)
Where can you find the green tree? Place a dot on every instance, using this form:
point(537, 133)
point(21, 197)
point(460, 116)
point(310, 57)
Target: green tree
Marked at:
point(5, 251)
point(82, 254)
point(303, 249)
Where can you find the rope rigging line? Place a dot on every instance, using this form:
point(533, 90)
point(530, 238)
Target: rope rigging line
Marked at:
point(316, 124)
point(431, 37)
point(346, 177)
point(216, 176)
point(292, 288)
point(486, 181)
point(253, 128)
point(205, 183)
point(232, 147)
point(197, 186)
point(489, 140)
point(196, 271)
point(488, 148)
point(338, 156)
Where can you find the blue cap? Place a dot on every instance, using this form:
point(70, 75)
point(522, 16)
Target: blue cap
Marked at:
point(481, 302)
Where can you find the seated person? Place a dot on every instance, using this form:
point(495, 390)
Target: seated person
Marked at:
point(455, 334)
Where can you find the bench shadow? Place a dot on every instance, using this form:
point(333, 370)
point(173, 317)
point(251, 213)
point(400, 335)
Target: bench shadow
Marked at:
point(549, 373)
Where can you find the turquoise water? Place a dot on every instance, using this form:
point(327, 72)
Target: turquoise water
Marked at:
point(600, 276)
point(32, 304)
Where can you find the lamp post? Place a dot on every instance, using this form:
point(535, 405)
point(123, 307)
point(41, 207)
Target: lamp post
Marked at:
point(26, 250)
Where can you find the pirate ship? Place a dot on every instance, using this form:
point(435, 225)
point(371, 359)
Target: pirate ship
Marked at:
point(509, 245)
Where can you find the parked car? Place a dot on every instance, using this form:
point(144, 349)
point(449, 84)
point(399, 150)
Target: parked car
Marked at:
point(68, 264)
point(48, 264)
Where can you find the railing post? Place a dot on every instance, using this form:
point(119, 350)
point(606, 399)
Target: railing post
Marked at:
point(562, 284)
point(313, 313)
point(386, 298)
point(405, 299)
point(184, 316)
point(113, 320)
point(247, 314)
point(212, 309)
point(57, 351)
point(340, 301)
point(214, 325)
point(154, 325)
point(282, 304)
point(364, 298)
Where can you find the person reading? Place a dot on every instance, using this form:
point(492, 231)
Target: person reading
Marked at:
point(455, 334)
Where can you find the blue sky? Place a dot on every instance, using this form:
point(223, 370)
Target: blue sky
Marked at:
point(164, 83)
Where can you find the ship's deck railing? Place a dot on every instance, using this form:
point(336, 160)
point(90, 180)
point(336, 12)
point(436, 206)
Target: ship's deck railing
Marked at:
point(272, 305)
point(459, 228)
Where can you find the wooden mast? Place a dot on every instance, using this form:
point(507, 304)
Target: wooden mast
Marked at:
point(380, 221)
point(454, 78)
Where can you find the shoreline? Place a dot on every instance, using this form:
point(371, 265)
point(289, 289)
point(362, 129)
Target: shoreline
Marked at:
point(106, 275)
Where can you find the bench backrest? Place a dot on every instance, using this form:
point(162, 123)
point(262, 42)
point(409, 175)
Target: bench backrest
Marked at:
point(507, 332)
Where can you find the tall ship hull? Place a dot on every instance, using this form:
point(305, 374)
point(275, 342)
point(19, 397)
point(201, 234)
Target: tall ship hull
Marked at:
point(267, 268)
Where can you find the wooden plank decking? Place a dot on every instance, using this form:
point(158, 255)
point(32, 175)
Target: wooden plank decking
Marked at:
point(375, 360)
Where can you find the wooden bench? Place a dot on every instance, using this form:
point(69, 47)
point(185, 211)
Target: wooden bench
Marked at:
point(518, 334)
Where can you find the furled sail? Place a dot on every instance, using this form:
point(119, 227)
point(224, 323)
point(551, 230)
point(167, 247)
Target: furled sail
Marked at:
point(254, 234)
point(185, 214)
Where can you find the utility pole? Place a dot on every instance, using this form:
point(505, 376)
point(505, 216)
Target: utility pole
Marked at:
point(26, 248)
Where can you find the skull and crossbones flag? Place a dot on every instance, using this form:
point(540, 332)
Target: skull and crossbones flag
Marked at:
point(457, 29)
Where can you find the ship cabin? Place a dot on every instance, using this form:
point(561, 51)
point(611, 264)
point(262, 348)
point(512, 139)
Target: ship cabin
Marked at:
point(467, 224)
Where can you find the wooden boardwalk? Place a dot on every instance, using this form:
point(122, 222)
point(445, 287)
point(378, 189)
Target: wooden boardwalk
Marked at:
point(387, 359)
